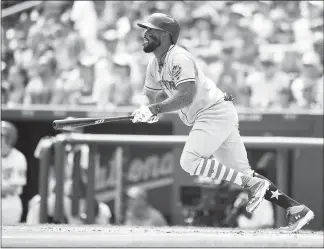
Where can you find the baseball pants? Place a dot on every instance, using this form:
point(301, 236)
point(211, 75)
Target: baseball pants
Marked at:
point(215, 134)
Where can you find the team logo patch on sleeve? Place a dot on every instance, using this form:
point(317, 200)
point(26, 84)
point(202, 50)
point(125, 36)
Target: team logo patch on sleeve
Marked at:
point(176, 71)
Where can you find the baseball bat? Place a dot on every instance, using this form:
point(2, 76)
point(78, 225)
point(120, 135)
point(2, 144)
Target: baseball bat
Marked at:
point(62, 124)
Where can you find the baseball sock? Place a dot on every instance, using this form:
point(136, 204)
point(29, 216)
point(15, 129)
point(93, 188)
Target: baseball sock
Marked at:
point(279, 198)
point(211, 168)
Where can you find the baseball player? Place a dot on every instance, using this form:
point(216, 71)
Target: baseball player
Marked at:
point(14, 166)
point(214, 149)
point(101, 210)
point(139, 212)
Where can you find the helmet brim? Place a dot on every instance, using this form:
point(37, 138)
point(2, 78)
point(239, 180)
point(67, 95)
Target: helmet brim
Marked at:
point(146, 25)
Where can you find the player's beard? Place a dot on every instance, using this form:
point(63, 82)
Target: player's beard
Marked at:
point(151, 45)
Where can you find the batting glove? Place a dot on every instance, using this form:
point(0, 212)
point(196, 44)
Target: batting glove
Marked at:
point(144, 115)
point(153, 119)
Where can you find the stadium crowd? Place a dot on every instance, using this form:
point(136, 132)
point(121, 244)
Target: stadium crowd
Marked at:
point(267, 54)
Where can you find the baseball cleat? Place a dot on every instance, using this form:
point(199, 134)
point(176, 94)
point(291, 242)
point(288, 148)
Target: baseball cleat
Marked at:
point(298, 217)
point(258, 190)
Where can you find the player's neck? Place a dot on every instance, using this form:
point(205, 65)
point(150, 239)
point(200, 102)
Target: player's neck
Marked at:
point(161, 51)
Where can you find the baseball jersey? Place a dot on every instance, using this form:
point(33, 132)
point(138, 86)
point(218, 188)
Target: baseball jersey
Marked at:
point(180, 67)
point(14, 167)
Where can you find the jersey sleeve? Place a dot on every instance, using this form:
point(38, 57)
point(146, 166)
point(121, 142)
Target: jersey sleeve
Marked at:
point(150, 83)
point(183, 69)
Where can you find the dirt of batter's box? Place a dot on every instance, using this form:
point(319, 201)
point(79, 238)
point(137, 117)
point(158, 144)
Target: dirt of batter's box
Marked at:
point(123, 236)
point(128, 229)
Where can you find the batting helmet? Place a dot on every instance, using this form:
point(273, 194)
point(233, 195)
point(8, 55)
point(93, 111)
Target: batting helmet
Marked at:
point(10, 132)
point(163, 22)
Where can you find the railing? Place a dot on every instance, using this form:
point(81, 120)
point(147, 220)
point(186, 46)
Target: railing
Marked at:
point(281, 144)
point(19, 7)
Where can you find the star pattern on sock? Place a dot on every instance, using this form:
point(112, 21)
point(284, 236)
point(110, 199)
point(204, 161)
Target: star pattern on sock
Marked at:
point(275, 194)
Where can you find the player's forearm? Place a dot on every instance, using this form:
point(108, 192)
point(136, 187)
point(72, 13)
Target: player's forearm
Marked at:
point(150, 97)
point(160, 97)
point(174, 103)
point(157, 98)
point(149, 100)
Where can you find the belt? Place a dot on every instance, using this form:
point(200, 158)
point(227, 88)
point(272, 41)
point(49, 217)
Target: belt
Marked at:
point(228, 97)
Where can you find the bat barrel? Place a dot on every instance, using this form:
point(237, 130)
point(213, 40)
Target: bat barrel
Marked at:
point(82, 122)
point(72, 123)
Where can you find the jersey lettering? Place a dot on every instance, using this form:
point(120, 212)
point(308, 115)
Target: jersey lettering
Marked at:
point(168, 84)
point(176, 71)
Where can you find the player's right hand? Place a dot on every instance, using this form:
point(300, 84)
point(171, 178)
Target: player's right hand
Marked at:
point(153, 119)
point(144, 115)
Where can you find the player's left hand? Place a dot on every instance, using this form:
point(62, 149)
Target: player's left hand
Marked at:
point(144, 115)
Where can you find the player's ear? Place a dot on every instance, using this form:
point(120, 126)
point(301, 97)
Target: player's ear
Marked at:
point(165, 35)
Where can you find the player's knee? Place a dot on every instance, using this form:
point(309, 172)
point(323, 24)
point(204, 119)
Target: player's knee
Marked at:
point(189, 163)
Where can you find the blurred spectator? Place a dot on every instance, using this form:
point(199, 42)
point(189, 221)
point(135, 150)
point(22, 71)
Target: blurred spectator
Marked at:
point(247, 45)
point(17, 81)
point(261, 21)
point(86, 36)
point(121, 91)
point(100, 72)
point(4, 92)
point(267, 83)
point(84, 16)
point(13, 167)
point(286, 100)
point(139, 212)
point(70, 84)
point(318, 46)
point(308, 88)
point(113, 87)
point(40, 89)
point(36, 40)
point(7, 60)
point(289, 62)
point(243, 96)
point(21, 53)
point(227, 73)
point(284, 34)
